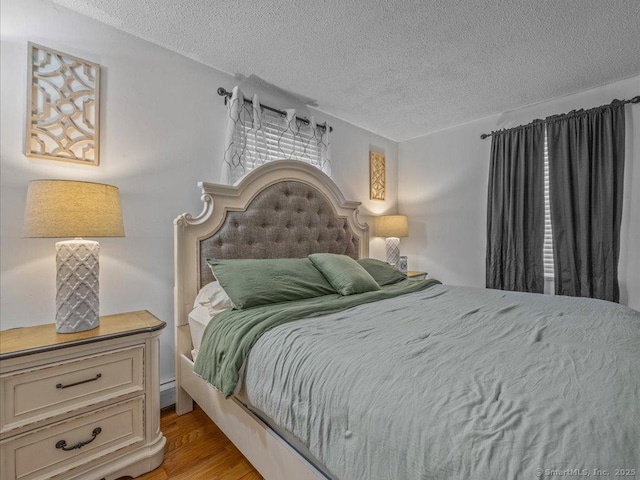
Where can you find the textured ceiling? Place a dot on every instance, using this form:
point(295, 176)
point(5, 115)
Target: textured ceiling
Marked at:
point(397, 68)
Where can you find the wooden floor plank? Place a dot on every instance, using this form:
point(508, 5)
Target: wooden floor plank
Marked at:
point(197, 450)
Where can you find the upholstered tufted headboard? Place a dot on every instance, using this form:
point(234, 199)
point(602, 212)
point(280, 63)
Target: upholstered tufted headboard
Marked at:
point(283, 209)
point(288, 219)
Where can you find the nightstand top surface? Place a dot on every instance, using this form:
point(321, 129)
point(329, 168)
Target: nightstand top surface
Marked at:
point(415, 273)
point(16, 342)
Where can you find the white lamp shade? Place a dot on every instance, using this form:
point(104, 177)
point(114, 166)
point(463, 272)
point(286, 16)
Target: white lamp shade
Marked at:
point(65, 208)
point(392, 226)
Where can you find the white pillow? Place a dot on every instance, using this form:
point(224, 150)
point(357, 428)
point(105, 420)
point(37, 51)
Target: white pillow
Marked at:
point(213, 296)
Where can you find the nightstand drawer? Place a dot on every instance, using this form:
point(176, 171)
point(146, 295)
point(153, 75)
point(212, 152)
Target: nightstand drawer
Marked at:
point(36, 394)
point(61, 447)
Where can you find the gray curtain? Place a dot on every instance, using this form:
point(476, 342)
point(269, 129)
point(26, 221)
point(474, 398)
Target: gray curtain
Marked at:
point(586, 171)
point(515, 213)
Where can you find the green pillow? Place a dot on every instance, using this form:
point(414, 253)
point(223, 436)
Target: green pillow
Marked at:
point(253, 282)
point(344, 274)
point(382, 272)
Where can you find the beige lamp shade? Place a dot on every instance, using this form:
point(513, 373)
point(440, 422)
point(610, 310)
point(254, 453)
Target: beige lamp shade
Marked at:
point(392, 226)
point(65, 208)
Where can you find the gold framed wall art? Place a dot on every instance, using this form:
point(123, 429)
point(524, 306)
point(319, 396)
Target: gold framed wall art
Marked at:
point(63, 111)
point(377, 176)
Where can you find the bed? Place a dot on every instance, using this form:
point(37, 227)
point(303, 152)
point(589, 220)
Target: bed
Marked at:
point(424, 381)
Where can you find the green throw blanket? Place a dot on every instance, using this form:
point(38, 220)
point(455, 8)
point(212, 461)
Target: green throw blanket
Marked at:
point(229, 337)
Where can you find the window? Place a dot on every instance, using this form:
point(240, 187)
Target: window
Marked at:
point(548, 237)
point(276, 140)
point(256, 136)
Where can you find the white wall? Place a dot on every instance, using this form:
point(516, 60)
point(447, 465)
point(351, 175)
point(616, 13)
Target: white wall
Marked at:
point(443, 189)
point(162, 126)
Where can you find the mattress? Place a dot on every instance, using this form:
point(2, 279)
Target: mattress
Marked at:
point(199, 317)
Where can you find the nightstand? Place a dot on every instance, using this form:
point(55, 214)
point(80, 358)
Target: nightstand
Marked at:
point(417, 274)
point(81, 405)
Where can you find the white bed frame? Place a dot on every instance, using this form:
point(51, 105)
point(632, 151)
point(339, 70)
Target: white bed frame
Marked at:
point(271, 455)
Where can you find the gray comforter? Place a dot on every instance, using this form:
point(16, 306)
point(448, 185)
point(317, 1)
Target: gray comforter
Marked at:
point(458, 383)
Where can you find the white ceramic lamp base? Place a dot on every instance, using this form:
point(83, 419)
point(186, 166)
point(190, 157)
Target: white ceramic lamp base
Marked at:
point(77, 283)
point(393, 251)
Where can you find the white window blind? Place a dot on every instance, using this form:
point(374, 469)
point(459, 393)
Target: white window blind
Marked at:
point(255, 136)
point(276, 140)
point(548, 237)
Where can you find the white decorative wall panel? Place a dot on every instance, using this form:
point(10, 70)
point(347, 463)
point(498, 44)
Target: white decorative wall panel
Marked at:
point(63, 107)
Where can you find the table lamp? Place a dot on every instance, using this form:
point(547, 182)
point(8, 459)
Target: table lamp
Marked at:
point(64, 208)
point(392, 227)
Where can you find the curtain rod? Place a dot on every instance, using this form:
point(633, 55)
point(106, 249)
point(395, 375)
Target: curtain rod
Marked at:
point(227, 95)
point(632, 100)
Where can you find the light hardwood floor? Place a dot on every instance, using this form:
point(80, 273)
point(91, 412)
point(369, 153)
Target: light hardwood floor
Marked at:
point(197, 449)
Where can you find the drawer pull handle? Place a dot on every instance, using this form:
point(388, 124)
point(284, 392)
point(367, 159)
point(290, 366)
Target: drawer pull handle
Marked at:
point(63, 444)
point(80, 382)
